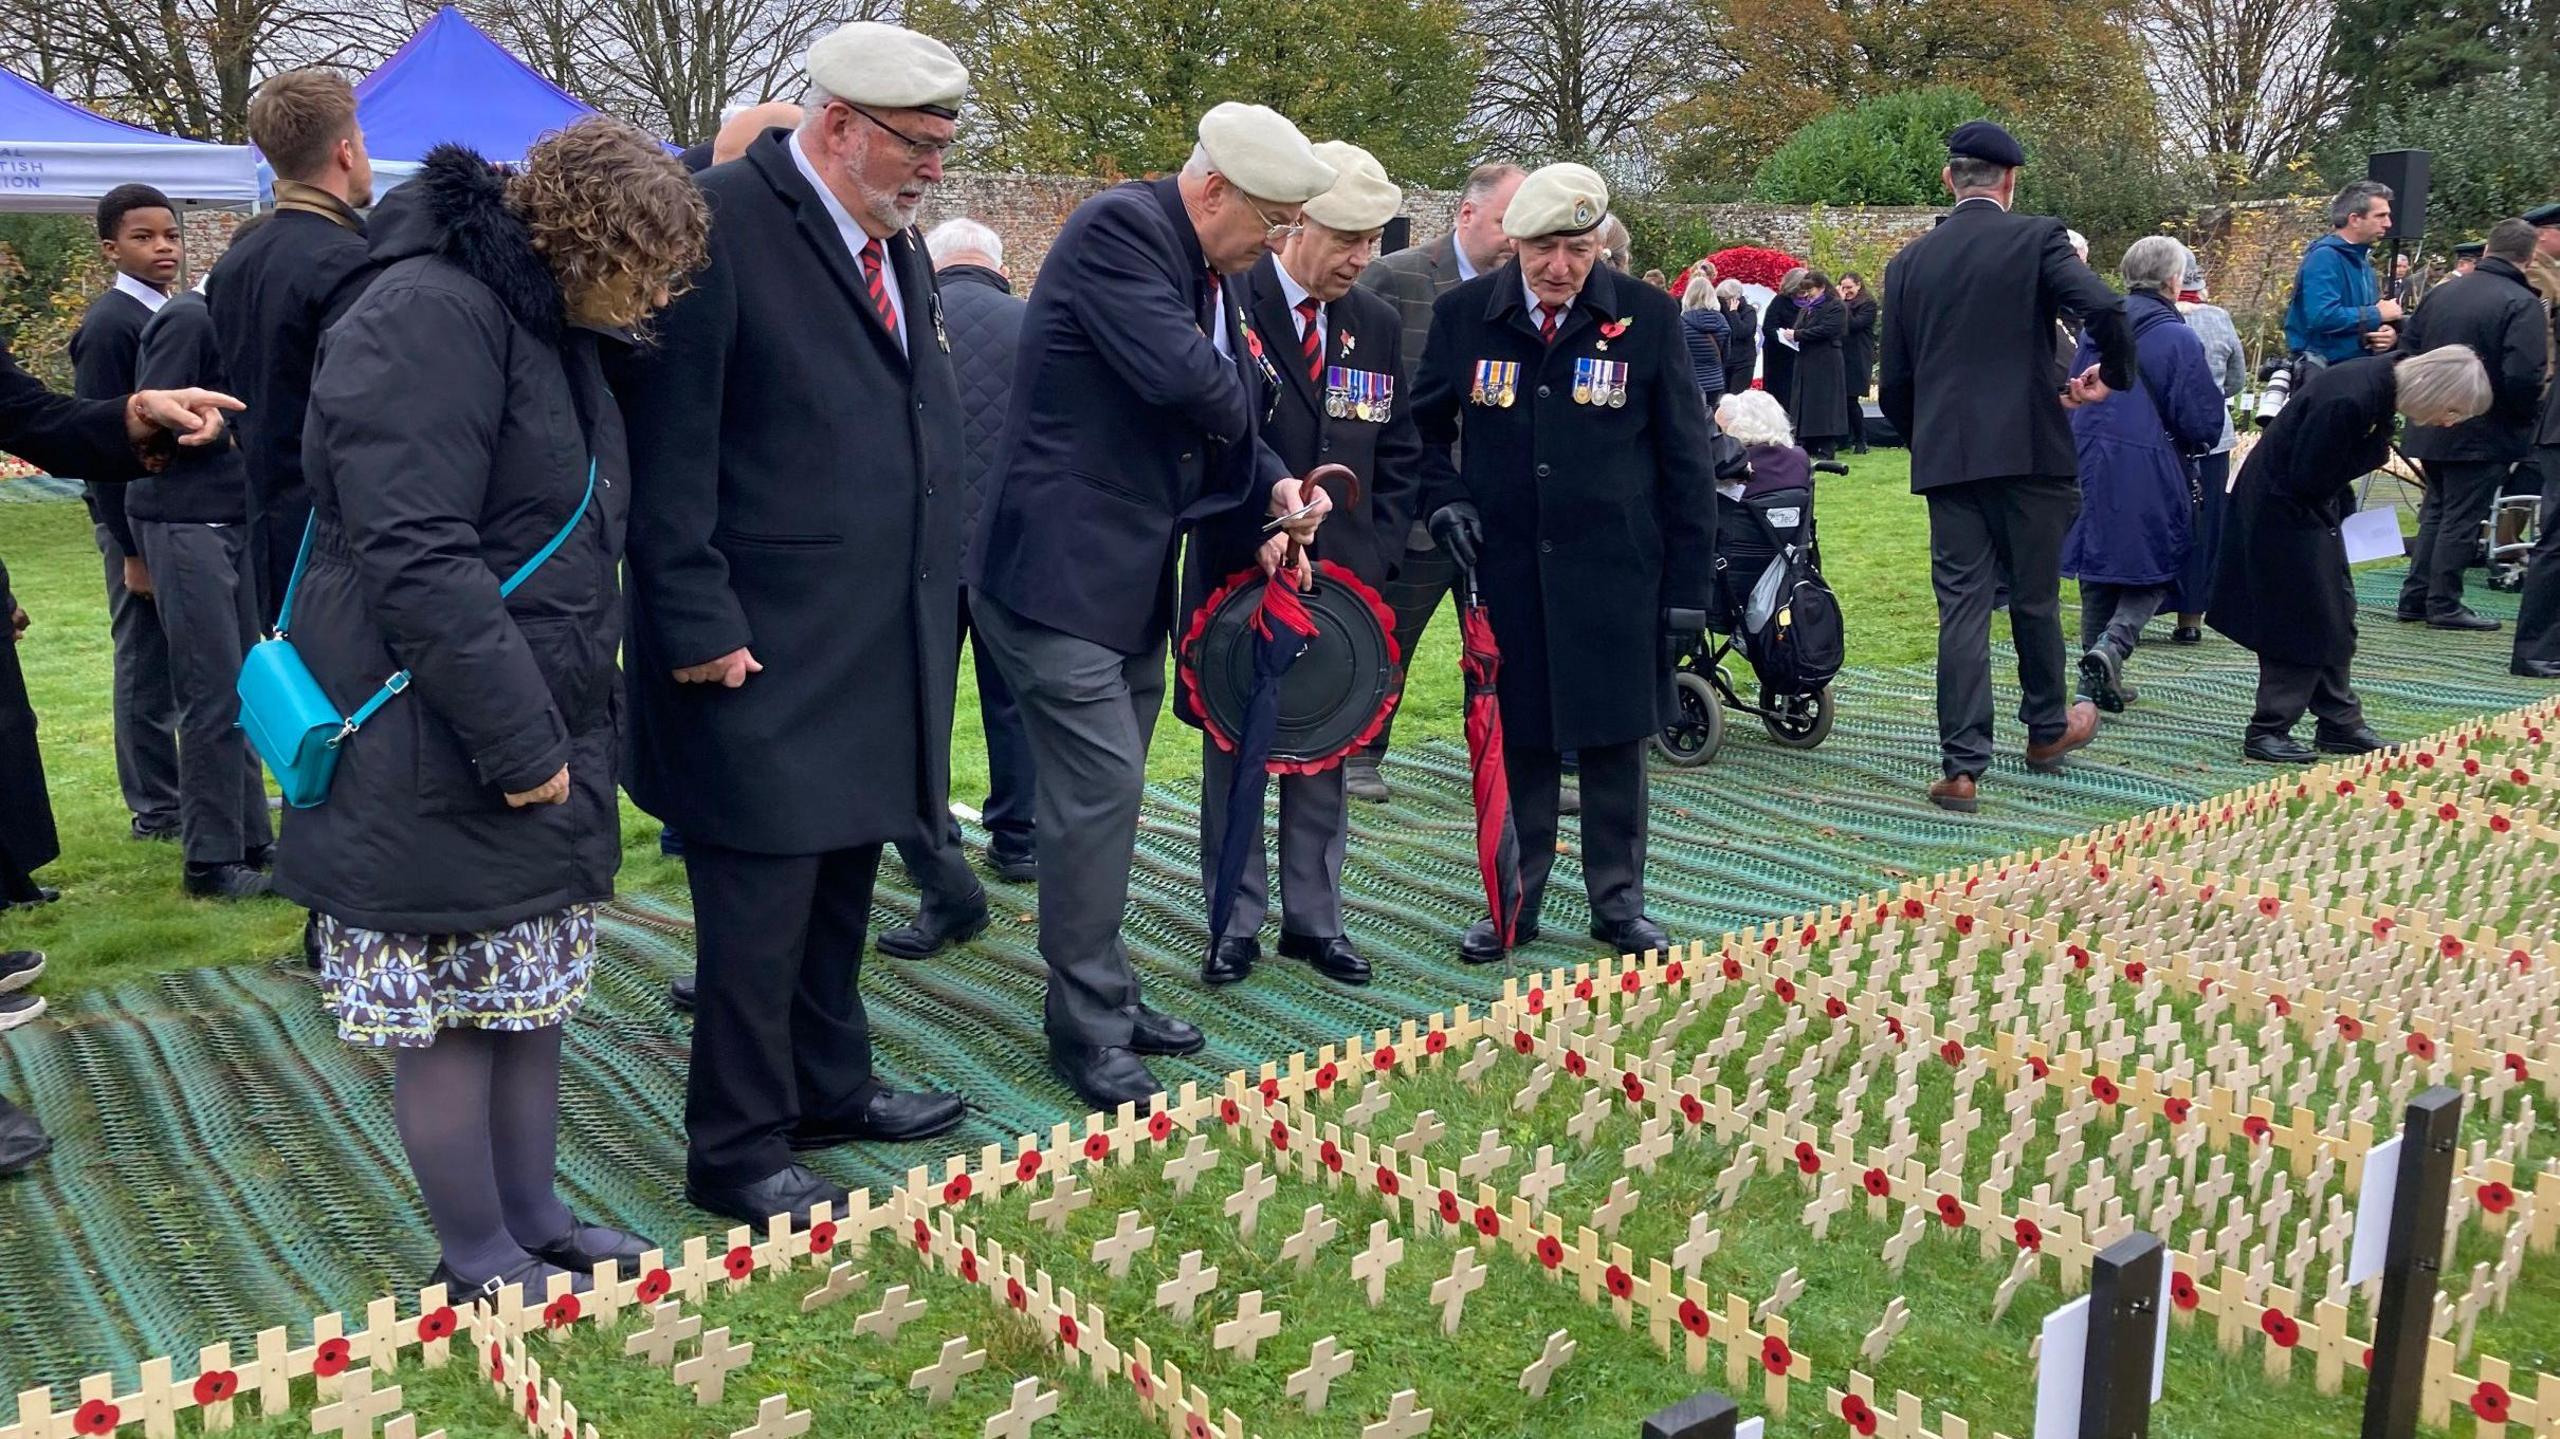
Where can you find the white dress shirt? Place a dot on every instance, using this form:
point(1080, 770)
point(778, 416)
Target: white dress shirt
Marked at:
point(151, 299)
point(855, 237)
point(1294, 293)
point(1538, 307)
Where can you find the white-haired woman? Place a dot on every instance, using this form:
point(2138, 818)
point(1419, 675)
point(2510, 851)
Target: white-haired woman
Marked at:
point(2281, 586)
point(1702, 326)
point(1741, 332)
point(2230, 365)
point(2137, 492)
point(1755, 420)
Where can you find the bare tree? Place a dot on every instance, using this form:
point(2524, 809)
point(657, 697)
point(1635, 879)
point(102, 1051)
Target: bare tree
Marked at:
point(2246, 84)
point(186, 66)
point(1578, 78)
point(678, 63)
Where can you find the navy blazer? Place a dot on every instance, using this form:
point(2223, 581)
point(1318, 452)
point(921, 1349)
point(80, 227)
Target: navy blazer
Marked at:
point(1127, 426)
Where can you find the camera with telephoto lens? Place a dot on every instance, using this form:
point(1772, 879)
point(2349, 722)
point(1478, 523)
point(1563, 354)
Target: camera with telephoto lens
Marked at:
point(2278, 379)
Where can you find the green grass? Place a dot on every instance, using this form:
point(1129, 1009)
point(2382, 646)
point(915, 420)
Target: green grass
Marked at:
point(123, 917)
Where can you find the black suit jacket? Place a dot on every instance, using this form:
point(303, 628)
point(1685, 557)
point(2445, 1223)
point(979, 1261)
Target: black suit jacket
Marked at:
point(796, 491)
point(57, 433)
point(1127, 425)
point(2498, 315)
point(103, 352)
point(1968, 373)
point(1415, 279)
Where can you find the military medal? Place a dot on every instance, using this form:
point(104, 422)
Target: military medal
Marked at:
point(1483, 393)
point(1510, 382)
point(1582, 382)
point(1617, 385)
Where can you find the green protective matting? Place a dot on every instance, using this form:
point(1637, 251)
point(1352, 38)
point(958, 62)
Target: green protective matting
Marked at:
point(225, 1164)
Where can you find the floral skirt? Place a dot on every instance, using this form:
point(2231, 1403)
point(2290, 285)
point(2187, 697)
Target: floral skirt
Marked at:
point(397, 990)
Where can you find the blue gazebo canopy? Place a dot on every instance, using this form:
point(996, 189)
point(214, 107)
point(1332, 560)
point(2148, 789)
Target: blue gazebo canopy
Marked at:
point(56, 156)
point(453, 83)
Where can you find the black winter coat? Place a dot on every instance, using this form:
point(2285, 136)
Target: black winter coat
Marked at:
point(2281, 586)
point(1777, 362)
point(453, 417)
point(797, 488)
point(985, 319)
point(1818, 406)
point(201, 485)
point(1596, 519)
point(1858, 347)
point(1741, 346)
point(2498, 315)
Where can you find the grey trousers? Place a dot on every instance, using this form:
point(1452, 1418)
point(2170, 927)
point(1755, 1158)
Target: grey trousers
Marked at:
point(1981, 533)
point(145, 706)
point(1090, 711)
point(210, 619)
point(1314, 827)
point(2113, 615)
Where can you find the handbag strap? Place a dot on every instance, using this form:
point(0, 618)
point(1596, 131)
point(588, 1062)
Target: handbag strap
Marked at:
point(509, 586)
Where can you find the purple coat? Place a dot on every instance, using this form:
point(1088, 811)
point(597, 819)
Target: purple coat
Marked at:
point(2137, 506)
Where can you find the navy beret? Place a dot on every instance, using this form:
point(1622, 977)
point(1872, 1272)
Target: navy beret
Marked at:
point(1984, 140)
point(2544, 214)
point(2470, 249)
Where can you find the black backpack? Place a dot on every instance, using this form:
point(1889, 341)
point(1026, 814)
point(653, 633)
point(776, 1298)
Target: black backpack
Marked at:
point(1802, 641)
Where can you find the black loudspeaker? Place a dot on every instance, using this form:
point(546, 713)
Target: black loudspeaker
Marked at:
point(2405, 171)
point(1398, 235)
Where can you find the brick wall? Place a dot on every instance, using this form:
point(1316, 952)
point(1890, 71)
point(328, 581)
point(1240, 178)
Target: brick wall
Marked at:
point(2250, 252)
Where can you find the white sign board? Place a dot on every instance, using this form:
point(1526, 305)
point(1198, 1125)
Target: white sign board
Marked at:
point(2060, 1370)
point(2373, 535)
point(2374, 1194)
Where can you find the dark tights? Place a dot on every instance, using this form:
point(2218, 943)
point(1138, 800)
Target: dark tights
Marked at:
point(479, 1115)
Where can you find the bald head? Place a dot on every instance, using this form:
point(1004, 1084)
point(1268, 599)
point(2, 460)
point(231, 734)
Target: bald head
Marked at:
point(740, 130)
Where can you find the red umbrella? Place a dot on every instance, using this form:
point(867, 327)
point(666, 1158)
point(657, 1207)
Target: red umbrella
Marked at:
point(1497, 842)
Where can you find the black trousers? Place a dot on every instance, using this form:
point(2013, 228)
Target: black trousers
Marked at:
point(2456, 505)
point(1424, 579)
point(1981, 533)
point(2285, 691)
point(945, 888)
point(1614, 819)
point(2538, 617)
point(779, 1032)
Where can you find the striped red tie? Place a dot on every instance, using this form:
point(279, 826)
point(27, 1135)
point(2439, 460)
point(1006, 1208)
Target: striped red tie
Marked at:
point(872, 256)
point(1546, 324)
point(1311, 339)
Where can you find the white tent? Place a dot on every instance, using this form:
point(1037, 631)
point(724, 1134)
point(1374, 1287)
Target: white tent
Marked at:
point(56, 156)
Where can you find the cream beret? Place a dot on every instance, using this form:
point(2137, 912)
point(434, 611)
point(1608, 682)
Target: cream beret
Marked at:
point(888, 67)
point(1262, 154)
point(1362, 197)
point(1563, 199)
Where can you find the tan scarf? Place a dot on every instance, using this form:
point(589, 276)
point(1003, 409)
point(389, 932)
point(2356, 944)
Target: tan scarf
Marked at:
point(312, 200)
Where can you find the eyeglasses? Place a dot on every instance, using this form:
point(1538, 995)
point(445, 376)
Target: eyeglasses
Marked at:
point(916, 149)
point(1273, 231)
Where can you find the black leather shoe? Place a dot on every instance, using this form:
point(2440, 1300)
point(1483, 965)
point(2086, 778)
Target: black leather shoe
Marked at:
point(928, 936)
point(1105, 1078)
point(2360, 740)
point(22, 1140)
point(587, 1245)
point(156, 833)
point(225, 881)
point(2467, 620)
point(2187, 635)
point(680, 994)
point(2279, 749)
point(1478, 946)
point(1333, 958)
point(42, 895)
point(1362, 781)
point(1154, 1033)
point(887, 1117)
point(1632, 936)
point(2410, 617)
point(260, 857)
point(1014, 867)
point(2536, 669)
point(786, 1191)
point(1230, 960)
point(532, 1276)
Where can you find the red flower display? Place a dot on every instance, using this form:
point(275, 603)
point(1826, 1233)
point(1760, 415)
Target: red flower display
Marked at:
point(2280, 1328)
point(2346, 786)
point(2382, 927)
point(1752, 265)
point(2177, 1108)
point(1732, 967)
point(332, 1359)
point(1786, 989)
point(1097, 1148)
point(1331, 1155)
point(1620, 1284)
point(1674, 972)
point(1582, 990)
point(1952, 1052)
point(2516, 1065)
point(1574, 1063)
point(1550, 1250)
point(1386, 1181)
point(1435, 1042)
point(1630, 982)
point(215, 1385)
point(1951, 1211)
point(1913, 909)
point(822, 1236)
point(2257, 1128)
point(1694, 1109)
point(2103, 1090)
point(1775, 1356)
point(2448, 812)
point(2450, 947)
point(1014, 1295)
point(560, 1313)
point(2521, 960)
point(2395, 799)
point(1769, 945)
point(1195, 1427)
point(2030, 1235)
point(2281, 1005)
point(968, 1266)
point(1488, 1223)
point(1893, 1026)
point(2037, 1066)
point(2350, 1028)
point(1693, 1318)
point(2496, 1197)
point(1230, 1113)
point(1326, 1075)
point(1449, 1211)
point(1808, 1158)
point(1521, 1042)
point(1537, 1001)
point(2098, 872)
point(1632, 1085)
point(924, 1237)
point(96, 1417)
point(437, 1324)
point(2489, 1402)
point(497, 1364)
point(2134, 971)
point(532, 1401)
point(1160, 1126)
point(957, 1191)
point(1964, 924)
point(1027, 1168)
point(654, 1286)
point(2421, 1046)
point(1142, 1381)
point(2079, 956)
point(1833, 1007)
point(2268, 904)
point(741, 1262)
point(2182, 1290)
point(1279, 1135)
point(1855, 1413)
point(1877, 1184)
point(2471, 766)
point(1067, 1330)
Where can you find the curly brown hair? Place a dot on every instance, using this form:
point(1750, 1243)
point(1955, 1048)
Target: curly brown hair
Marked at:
point(620, 222)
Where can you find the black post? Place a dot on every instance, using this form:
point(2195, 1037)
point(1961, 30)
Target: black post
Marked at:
point(2403, 1320)
point(2124, 1330)
point(1700, 1416)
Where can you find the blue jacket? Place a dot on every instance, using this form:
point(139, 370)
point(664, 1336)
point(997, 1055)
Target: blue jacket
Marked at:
point(2334, 298)
point(1704, 330)
point(2137, 510)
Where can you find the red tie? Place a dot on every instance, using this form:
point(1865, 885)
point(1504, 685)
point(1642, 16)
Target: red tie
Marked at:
point(1311, 339)
point(872, 256)
point(1546, 325)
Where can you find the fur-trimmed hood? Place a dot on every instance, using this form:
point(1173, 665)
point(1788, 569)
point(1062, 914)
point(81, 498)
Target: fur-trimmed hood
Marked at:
point(456, 210)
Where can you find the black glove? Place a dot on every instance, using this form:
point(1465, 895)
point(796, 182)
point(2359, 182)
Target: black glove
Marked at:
point(1460, 531)
point(1685, 631)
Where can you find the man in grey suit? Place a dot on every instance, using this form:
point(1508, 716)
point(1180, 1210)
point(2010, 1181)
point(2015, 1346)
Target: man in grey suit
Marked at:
point(1416, 279)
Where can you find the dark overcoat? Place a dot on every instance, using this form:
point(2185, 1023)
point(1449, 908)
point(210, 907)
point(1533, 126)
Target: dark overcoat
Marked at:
point(1703, 331)
point(2137, 502)
point(1818, 408)
point(2281, 585)
point(201, 484)
point(985, 317)
point(1365, 533)
point(453, 419)
point(2500, 317)
point(1858, 347)
point(1777, 362)
point(797, 493)
point(103, 351)
point(1596, 518)
point(1128, 426)
point(1741, 345)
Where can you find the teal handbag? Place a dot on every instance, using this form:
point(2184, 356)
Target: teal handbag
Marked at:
point(288, 717)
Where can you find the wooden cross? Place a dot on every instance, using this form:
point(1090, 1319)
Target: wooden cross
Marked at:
point(1699, 1247)
point(1586, 1120)
point(1126, 1241)
point(1029, 1407)
point(1426, 1132)
point(841, 1281)
point(1542, 1178)
point(940, 1378)
point(896, 1312)
point(1879, 1339)
point(1533, 1088)
point(1190, 1281)
point(669, 1326)
point(1185, 1169)
point(776, 1419)
point(358, 1406)
point(1246, 1203)
point(1790, 1289)
point(1620, 1204)
point(1558, 1353)
point(1402, 1421)
point(1245, 1333)
point(1465, 1277)
point(1326, 1362)
point(1314, 1233)
point(1064, 1198)
point(1648, 1150)
point(709, 1369)
point(1491, 1155)
point(1370, 1265)
point(1373, 1102)
point(1473, 1071)
point(405, 1426)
